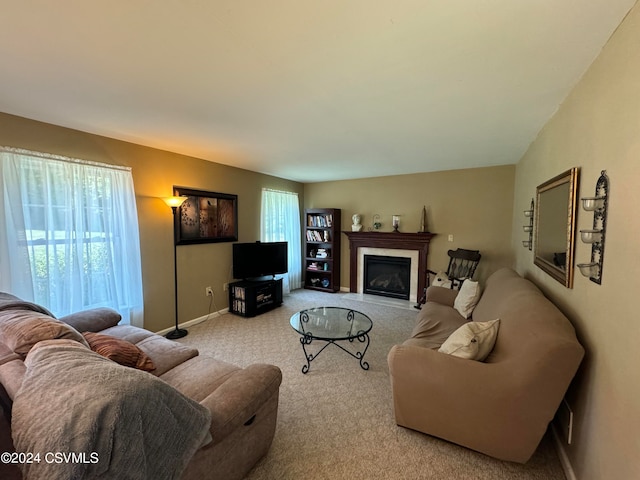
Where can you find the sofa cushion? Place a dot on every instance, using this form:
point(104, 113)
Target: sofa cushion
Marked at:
point(7, 355)
point(435, 323)
point(473, 340)
point(12, 371)
point(92, 320)
point(120, 351)
point(20, 330)
point(467, 298)
point(198, 377)
point(444, 296)
point(165, 354)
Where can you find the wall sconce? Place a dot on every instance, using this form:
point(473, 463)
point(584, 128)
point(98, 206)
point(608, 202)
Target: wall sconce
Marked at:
point(174, 203)
point(529, 228)
point(595, 236)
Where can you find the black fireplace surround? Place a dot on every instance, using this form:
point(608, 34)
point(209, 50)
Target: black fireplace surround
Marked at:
point(387, 276)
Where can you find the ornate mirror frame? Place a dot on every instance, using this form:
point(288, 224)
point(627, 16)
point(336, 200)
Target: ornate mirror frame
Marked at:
point(556, 202)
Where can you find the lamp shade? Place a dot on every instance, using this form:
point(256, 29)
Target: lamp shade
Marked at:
point(174, 201)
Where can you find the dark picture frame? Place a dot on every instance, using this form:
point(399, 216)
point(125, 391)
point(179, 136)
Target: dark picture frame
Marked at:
point(206, 217)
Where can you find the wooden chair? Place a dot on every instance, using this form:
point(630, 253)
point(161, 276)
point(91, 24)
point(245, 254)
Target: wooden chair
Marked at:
point(462, 266)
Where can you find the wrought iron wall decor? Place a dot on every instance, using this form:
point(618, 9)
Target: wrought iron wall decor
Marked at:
point(598, 205)
point(529, 228)
point(206, 217)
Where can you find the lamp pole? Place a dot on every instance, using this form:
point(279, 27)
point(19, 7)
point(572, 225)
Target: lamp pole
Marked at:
point(174, 203)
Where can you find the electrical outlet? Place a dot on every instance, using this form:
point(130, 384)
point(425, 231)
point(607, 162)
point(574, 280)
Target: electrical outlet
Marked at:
point(225, 287)
point(209, 291)
point(450, 237)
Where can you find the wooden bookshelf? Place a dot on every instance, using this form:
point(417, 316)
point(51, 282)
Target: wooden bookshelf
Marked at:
point(322, 249)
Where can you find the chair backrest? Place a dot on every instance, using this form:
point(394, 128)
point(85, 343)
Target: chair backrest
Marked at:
point(462, 263)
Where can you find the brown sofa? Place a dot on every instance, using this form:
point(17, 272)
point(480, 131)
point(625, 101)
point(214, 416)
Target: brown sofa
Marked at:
point(503, 405)
point(232, 410)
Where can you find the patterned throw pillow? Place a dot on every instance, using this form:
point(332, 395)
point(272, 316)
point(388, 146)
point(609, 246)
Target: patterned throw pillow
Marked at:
point(120, 351)
point(473, 340)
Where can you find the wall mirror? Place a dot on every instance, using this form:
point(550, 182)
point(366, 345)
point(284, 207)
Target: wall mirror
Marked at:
point(555, 226)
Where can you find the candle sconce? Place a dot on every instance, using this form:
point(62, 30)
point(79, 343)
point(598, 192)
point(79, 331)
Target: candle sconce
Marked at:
point(595, 236)
point(395, 222)
point(529, 228)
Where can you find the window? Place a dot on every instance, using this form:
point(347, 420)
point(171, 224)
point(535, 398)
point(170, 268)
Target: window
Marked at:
point(280, 222)
point(69, 234)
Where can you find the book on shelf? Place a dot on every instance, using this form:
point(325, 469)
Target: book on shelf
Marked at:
point(315, 236)
point(320, 221)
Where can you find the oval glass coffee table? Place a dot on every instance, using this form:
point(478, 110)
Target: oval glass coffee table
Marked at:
point(331, 325)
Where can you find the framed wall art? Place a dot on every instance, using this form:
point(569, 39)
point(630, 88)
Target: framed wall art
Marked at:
point(206, 217)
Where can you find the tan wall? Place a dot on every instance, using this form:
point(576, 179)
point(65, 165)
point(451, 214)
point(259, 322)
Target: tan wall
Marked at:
point(155, 172)
point(597, 128)
point(475, 205)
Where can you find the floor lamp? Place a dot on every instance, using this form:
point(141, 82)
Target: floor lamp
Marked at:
point(174, 203)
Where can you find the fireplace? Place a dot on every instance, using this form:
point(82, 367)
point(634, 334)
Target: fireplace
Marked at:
point(387, 276)
point(399, 244)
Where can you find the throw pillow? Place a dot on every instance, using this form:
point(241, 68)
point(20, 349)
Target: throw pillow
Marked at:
point(20, 330)
point(92, 320)
point(473, 340)
point(120, 351)
point(441, 280)
point(467, 298)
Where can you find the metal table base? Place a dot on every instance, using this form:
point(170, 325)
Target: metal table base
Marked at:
point(307, 338)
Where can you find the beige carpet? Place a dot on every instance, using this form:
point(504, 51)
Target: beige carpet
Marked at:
point(336, 422)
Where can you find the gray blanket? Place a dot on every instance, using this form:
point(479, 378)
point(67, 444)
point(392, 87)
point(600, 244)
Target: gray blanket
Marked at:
point(11, 302)
point(111, 422)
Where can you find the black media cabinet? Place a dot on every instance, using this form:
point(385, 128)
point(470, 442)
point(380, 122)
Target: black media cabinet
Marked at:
point(249, 298)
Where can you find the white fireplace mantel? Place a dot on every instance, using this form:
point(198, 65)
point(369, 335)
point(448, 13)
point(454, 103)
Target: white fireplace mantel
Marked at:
point(391, 252)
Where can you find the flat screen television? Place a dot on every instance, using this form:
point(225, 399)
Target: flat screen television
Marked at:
point(259, 259)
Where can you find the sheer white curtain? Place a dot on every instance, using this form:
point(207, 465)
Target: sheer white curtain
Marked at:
point(69, 234)
point(280, 222)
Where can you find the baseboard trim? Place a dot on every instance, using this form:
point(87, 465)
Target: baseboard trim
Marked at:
point(193, 322)
point(562, 454)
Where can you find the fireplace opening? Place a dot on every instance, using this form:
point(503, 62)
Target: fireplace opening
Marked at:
point(387, 276)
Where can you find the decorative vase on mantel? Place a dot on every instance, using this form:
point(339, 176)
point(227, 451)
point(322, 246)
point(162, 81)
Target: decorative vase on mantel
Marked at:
point(423, 221)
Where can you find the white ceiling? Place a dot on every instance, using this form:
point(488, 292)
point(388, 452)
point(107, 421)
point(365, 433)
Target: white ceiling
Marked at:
point(301, 89)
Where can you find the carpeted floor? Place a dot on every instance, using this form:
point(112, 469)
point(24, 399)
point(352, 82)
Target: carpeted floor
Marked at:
point(336, 422)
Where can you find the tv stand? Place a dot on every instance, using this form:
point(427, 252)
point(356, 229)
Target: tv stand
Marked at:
point(249, 298)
